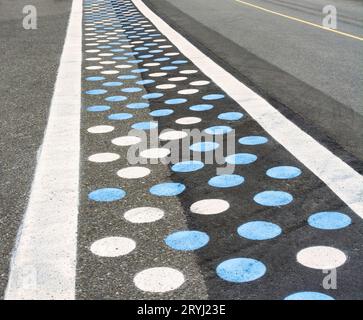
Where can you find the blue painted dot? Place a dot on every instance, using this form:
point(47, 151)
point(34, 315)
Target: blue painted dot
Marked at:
point(161, 59)
point(145, 125)
point(131, 90)
point(273, 198)
point(98, 108)
point(96, 91)
point(187, 166)
point(107, 194)
point(283, 172)
point(308, 295)
point(112, 84)
point(230, 116)
point(119, 58)
point(176, 101)
point(138, 105)
point(241, 270)
point(127, 77)
point(146, 56)
point(252, 140)
point(329, 220)
point(154, 95)
point(141, 70)
point(120, 116)
point(161, 112)
point(135, 61)
point(144, 82)
point(141, 48)
point(226, 181)
point(259, 230)
point(116, 98)
point(179, 62)
point(117, 50)
point(95, 78)
point(218, 130)
point(201, 107)
point(187, 240)
point(213, 97)
point(167, 189)
point(204, 146)
point(241, 158)
point(167, 68)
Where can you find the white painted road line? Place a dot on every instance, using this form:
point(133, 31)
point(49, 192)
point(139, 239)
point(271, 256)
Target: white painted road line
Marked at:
point(43, 265)
point(344, 181)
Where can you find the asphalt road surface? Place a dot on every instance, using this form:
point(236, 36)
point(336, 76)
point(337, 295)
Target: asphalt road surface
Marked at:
point(146, 228)
point(313, 76)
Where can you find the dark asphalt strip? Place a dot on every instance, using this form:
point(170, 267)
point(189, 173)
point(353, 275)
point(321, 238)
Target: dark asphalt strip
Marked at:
point(105, 277)
point(331, 123)
point(29, 61)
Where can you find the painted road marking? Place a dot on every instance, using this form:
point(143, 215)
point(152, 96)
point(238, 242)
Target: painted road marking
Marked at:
point(344, 181)
point(300, 20)
point(43, 265)
point(42, 242)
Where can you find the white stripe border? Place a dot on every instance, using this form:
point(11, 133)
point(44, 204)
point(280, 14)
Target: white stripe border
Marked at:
point(43, 264)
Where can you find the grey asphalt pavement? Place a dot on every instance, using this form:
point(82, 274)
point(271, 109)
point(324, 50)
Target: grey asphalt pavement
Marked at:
point(180, 230)
point(314, 77)
point(28, 62)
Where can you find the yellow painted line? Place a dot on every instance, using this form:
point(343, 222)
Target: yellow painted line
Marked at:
point(300, 20)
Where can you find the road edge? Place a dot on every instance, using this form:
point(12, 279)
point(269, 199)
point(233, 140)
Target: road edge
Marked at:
point(43, 264)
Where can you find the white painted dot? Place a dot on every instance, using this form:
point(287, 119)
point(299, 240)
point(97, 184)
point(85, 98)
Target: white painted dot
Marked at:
point(126, 140)
point(171, 54)
point(158, 74)
point(127, 46)
point(165, 46)
point(93, 59)
point(200, 83)
point(105, 54)
point(209, 206)
point(143, 215)
point(110, 72)
point(100, 129)
point(113, 246)
point(165, 86)
point(178, 79)
point(321, 257)
point(188, 120)
point(188, 71)
point(123, 66)
point(160, 279)
point(173, 135)
point(151, 64)
point(107, 62)
point(155, 153)
point(104, 157)
point(159, 40)
point(94, 67)
point(93, 50)
point(188, 91)
point(133, 172)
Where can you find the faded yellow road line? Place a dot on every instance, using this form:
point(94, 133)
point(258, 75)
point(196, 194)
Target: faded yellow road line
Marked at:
point(300, 20)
